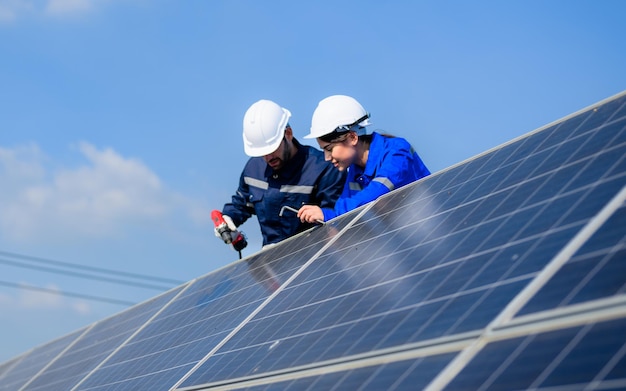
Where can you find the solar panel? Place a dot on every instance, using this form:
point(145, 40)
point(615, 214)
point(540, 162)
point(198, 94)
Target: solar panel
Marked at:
point(203, 315)
point(595, 272)
point(507, 271)
point(589, 356)
point(96, 344)
point(21, 370)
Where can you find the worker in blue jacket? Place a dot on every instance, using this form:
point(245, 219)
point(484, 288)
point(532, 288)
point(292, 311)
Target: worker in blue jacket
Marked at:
point(281, 172)
point(376, 163)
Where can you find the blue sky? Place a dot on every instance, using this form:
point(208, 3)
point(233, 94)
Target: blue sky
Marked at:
point(120, 120)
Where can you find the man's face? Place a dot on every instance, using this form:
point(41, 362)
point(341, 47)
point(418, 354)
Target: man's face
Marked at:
point(279, 157)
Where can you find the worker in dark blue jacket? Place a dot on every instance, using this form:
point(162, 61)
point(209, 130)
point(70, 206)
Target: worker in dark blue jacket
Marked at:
point(281, 172)
point(376, 164)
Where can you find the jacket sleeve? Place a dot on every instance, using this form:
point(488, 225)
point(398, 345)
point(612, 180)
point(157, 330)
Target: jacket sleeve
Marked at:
point(395, 170)
point(238, 209)
point(343, 205)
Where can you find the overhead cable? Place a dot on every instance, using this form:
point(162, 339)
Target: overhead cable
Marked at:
point(65, 293)
point(94, 269)
point(84, 275)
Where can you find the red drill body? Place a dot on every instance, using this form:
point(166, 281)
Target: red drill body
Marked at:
point(228, 235)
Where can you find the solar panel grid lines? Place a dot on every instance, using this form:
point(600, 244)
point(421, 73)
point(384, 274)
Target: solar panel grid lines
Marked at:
point(593, 272)
point(542, 138)
point(598, 310)
point(589, 355)
point(329, 233)
point(592, 338)
point(607, 112)
point(423, 256)
point(567, 252)
point(137, 362)
point(55, 360)
point(407, 374)
point(120, 329)
point(610, 237)
point(420, 351)
point(542, 227)
point(359, 376)
point(615, 131)
point(94, 346)
point(529, 291)
point(30, 364)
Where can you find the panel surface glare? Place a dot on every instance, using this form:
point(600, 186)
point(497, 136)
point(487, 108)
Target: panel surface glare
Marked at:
point(438, 258)
point(204, 314)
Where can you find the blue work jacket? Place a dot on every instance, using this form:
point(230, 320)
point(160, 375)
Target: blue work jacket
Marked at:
point(305, 179)
point(391, 163)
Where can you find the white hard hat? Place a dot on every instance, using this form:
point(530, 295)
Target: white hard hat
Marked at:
point(334, 112)
point(264, 127)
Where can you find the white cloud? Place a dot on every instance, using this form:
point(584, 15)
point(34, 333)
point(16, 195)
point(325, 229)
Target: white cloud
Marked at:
point(23, 162)
point(11, 10)
point(103, 196)
point(51, 299)
point(33, 299)
point(66, 7)
point(81, 307)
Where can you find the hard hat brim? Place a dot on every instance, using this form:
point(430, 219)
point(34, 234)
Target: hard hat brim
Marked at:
point(266, 150)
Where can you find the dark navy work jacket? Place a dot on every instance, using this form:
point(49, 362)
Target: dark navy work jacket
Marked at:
point(305, 179)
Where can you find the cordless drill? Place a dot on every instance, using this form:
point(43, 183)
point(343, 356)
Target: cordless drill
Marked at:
point(228, 233)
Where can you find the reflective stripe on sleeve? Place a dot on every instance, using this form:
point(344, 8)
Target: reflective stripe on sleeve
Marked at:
point(256, 182)
point(355, 186)
point(385, 181)
point(300, 189)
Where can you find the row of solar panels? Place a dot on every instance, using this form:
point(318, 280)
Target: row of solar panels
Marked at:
point(507, 271)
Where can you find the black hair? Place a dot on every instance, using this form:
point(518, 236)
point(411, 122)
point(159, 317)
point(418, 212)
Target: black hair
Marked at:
point(335, 136)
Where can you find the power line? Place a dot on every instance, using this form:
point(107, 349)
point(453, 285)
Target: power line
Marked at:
point(84, 275)
point(90, 268)
point(64, 293)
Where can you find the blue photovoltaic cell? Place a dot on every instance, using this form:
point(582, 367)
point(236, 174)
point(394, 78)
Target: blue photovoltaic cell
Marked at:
point(440, 257)
point(96, 344)
point(401, 375)
point(569, 359)
point(204, 314)
point(34, 361)
point(596, 271)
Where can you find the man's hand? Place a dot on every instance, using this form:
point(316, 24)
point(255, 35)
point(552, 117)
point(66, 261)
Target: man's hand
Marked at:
point(310, 214)
point(226, 230)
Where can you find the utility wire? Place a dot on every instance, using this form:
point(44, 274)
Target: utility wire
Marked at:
point(84, 275)
point(70, 294)
point(90, 268)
